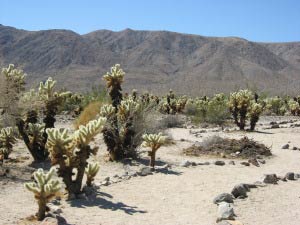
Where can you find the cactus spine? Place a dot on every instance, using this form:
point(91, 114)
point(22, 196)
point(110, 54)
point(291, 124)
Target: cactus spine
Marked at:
point(154, 141)
point(44, 189)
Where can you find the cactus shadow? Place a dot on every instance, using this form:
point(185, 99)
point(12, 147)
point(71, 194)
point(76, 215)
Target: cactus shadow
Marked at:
point(100, 201)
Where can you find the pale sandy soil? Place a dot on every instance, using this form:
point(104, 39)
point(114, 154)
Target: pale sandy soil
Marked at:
point(184, 196)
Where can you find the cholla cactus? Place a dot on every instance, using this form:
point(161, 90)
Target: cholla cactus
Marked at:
point(126, 108)
point(107, 111)
point(15, 76)
point(276, 105)
point(7, 139)
point(114, 79)
point(44, 189)
point(71, 152)
point(239, 104)
point(91, 171)
point(294, 107)
point(154, 141)
point(254, 112)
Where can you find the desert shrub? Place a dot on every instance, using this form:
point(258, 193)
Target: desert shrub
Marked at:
point(7, 140)
point(242, 105)
point(44, 189)
point(90, 112)
point(170, 121)
point(71, 152)
point(96, 94)
point(154, 142)
point(214, 110)
point(171, 104)
point(275, 105)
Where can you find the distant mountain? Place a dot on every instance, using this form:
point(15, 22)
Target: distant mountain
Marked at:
point(153, 60)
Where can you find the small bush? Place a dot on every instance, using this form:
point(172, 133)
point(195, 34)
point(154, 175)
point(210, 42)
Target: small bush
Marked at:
point(89, 113)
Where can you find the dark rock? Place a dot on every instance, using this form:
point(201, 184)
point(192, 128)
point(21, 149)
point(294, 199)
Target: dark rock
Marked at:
point(219, 163)
point(245, 163)
point(270, 179)
point(294, 148)
point(274, 126)
point(290, 176)
point(240, 191)
point(224, 197)
point(254, 162)
point(286, 146)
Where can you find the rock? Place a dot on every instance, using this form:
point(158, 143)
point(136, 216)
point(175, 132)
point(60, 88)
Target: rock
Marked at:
point(286, 146)
point(240, 191)
point(219, 163)
point(230, 222)
point(105, 183)
point(231, 163)
point(297, 175)
point(245, 163)
point(282, 178)
point(274, 126)
point(225, 212)
point(273, 123)
point(185, 163)
point(49, 221)
point(224, 197)
point(55, 209)
point(106, 178)
point(237, 153)
point(259, 184)
point(144, 171)
point(194, 164)
point(290, 176)
point(261, 161)
point(270, 179)
point(182, 139)
point(294, 148)
point(254, 162)
point(206, 163)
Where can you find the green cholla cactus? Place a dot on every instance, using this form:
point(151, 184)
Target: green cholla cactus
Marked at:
point(91, 171)
point(254, 112)
point(44, 189)
point(107, 111)
point(239, 104)
point(7, 139)
point(294, 107)
point(16, 76)
point(114, 79)
point(126, 108)
point(71, 152)
point(276, 105)
point(154, 141)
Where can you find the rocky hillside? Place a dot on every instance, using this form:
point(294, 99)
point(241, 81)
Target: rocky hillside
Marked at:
point(153, 60)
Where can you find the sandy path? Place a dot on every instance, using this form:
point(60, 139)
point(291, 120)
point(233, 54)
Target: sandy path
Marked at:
point(184, 197)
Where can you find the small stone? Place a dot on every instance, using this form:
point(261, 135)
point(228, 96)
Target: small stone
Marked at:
point(254, 162)
point(194, 164)
point(286, 146)
point(225, 212)
point(219, 163)
point(231, 163)
point(245, 163)
point(182, 139)
point(274, 126)
point(116, 176)
point(55, 209)
point(106, 178)
point(294, 148)
point(206, 163)
point(262, 161)
point(224, 197)
point(282, 178)
point(144, 171)
point(290, 176)
point(237, 153)
point(240, 191)
point(270, 179)
point(185, 163)
point(105, 183)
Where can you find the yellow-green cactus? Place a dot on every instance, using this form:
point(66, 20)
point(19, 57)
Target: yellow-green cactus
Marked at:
point(15, 75)
point(254, 112)
point(91, 171)
point(126, 108)
point(115, 76)
point(7, 139)
point(44, 188)
point(153, 141)
point(107, 111)
point(71, 152)
point(294, 107)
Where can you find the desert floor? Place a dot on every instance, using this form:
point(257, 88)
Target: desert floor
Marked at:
point(178, 195)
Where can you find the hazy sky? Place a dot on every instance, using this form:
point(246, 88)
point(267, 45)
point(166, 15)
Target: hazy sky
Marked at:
point(256, 20)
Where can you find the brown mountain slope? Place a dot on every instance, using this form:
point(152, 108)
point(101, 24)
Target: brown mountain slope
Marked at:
point(153, 60)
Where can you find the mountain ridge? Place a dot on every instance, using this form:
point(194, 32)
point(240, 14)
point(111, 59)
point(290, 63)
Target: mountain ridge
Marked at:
point(153, 60)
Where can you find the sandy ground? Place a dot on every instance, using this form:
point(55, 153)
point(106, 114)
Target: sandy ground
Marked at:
point(182, 196)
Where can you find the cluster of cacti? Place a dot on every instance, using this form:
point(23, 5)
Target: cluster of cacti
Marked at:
point(15, 77)
point(34, 134)
point(153, 141)
point(119, 132)
point(44, 189)
point(172, 104)
point(71, 152)
point(242, 106)
point(91, 171)
point(7, 140)
point(275, 105)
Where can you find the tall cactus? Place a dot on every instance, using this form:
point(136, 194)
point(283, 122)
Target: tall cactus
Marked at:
point(44, 188)
point(71, 152)
point(154, 141)
point(7, 139)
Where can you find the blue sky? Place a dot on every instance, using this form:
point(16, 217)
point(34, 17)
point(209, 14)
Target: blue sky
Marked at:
point(256, 20)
